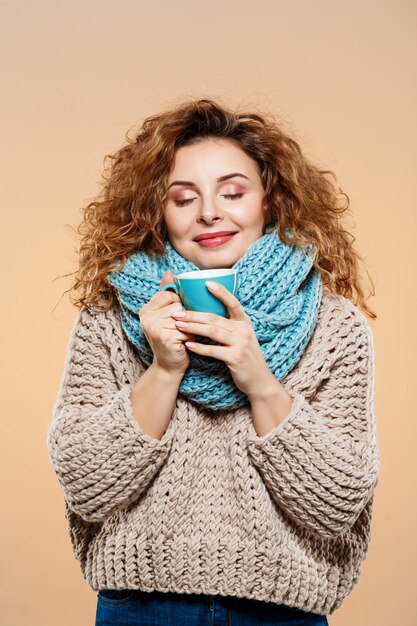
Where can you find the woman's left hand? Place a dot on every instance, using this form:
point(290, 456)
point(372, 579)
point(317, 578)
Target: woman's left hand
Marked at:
point(240, 350)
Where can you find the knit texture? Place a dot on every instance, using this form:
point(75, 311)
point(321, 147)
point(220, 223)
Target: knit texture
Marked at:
point(212, 507)
point(279, 289)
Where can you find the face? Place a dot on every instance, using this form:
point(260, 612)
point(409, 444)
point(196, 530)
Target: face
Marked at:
point(214, 186)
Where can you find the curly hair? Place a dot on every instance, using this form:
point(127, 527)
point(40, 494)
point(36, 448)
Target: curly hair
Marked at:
point(128, 214)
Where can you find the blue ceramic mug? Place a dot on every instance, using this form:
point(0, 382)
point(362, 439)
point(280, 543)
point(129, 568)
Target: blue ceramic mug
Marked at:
point(194, 293)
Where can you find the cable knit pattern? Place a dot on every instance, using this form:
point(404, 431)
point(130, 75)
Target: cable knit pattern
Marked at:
point(212, 507)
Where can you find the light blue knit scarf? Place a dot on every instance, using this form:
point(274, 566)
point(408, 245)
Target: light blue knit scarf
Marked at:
point(278, 288)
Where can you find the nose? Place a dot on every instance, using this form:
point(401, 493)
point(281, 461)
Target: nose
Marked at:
point(209, 212)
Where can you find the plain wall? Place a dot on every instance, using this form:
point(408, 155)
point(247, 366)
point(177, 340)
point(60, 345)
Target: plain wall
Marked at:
point(76, 76)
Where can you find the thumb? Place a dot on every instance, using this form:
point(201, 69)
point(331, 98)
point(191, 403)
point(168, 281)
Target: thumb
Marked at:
point(168, 277)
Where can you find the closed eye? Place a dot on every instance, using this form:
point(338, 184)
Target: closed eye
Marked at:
point(229, 196)
point(233, 195)
point(184, 202)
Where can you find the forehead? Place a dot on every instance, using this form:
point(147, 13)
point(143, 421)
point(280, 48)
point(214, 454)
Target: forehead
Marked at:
point(211, 156)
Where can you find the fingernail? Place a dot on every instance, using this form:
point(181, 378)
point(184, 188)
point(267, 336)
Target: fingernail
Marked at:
point(211, 285)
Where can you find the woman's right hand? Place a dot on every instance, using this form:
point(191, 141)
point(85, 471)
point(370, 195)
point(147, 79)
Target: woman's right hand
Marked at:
point(165, 339)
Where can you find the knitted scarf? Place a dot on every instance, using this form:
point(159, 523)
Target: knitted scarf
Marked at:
point(278, 288)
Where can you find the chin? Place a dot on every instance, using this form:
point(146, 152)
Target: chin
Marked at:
point(214, 265)
point(212, 259)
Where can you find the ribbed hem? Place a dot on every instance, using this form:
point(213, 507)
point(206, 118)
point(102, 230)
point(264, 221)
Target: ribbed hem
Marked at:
point(240, 569)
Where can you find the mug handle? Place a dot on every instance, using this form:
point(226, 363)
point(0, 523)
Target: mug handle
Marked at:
point(170, 286)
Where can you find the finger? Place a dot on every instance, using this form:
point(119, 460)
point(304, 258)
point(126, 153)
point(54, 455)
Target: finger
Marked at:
point(212, 319)
point(185, 336)
point(205, 330)
point(216, 352)
point(168, 277)
point(236, 310)
point(164, 300)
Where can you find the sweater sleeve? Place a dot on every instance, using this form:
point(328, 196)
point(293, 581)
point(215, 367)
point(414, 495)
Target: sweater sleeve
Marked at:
point(101, 456)
point(322, 463)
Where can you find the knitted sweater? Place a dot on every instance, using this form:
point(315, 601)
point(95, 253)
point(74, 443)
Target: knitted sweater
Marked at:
point(212, 507)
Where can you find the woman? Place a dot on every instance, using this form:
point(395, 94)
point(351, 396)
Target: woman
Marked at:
point(217, 470)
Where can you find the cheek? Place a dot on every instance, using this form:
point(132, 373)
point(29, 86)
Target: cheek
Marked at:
point(176, 222)
point(249, 213)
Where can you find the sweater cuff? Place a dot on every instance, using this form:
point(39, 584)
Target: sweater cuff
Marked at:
point(144, 437)
point(286, 426)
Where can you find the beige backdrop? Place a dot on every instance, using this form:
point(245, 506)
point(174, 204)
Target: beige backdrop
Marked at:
point(76, 76)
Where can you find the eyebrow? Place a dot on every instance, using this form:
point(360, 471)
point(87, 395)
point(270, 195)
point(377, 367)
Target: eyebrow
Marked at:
point(189, 183)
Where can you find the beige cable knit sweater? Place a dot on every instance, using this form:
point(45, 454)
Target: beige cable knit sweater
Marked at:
point(212, 507)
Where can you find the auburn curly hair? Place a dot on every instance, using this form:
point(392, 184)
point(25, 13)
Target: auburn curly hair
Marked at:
point(128, 214)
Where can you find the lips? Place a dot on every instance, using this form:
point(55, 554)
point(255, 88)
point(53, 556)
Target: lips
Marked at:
point(220, 233)
point(215, 242)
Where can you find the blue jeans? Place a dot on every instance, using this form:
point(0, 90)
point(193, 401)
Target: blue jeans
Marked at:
point(141, 608)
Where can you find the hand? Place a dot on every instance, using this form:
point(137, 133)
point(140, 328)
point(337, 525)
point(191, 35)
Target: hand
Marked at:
point(165, 339)
point(240, 351)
